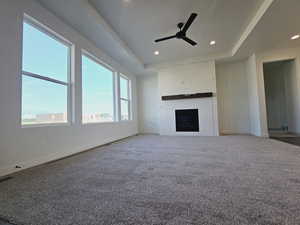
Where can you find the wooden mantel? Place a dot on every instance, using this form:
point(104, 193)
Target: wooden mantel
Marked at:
point(187, 96)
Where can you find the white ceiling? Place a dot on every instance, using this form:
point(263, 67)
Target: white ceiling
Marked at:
point(126, 29)
point(274, 30)
point(140, 22)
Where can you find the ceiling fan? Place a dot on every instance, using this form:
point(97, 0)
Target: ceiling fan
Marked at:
point(182, 33)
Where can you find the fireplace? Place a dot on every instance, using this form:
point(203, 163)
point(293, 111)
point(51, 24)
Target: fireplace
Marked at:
point(187, 120)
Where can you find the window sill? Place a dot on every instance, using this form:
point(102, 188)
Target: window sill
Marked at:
point(99, 123)
point(46, 125)
point(104, 123)
point(126, 121)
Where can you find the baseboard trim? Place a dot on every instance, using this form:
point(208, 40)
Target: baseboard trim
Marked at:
point(229, 132)
point(55, 157)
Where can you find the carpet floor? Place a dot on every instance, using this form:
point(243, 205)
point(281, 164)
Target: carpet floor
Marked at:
point(290, 140)
point(159, 180)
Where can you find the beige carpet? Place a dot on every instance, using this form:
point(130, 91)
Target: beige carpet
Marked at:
point(155, 180)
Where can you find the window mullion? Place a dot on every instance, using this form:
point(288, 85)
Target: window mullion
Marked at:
point(93, 65)
point(46, 98)
point(29, 74)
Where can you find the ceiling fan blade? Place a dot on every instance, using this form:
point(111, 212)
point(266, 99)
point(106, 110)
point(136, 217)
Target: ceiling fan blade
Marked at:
point(189, 41)
point(166, 38)
point(189, 22)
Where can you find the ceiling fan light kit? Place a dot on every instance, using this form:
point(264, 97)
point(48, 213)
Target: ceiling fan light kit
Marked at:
point(183, 28)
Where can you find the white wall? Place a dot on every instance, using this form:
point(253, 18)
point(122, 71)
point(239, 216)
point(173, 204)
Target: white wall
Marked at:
point(292, 96)
point(254, 105)
point(31, 146)
point(282, 95)
point(156, 116)
point(233, 98)
point(272, 56)
point(256, 88)
point(188, 79)
point(148, 104)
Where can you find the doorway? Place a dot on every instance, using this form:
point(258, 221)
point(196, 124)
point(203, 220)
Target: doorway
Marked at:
point(282, 94)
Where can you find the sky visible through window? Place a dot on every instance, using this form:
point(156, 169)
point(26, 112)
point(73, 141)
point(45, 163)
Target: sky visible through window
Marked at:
point(47, 102)
point(44, 101)
point(41, 98)
point(97, 92)
point(124, 90)
point(44, 55)
point(124, 87)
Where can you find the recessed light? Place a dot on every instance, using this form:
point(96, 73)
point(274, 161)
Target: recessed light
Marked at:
point(295, 37)
point(212, 43)
point(156, 53)
point(126, 3)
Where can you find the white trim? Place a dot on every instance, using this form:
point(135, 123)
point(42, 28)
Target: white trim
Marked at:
point(115, 85)
point(108, 67)
point(69, 87)
point(36, 125)
point(264, 129)
point(97, 122)
point(72, 89)
point(34, 75)
point(52, 34)
point(128, 99)
point(117, 99)
point(96, 60)
point(131, 101)
point(44, 29)
point(94, 13)
point(104, 122)
point(257, 17)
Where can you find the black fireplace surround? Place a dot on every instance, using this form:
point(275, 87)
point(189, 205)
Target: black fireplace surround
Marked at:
point(187, 120)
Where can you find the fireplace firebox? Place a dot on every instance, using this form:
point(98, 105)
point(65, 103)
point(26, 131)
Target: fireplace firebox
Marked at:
point(187, 120)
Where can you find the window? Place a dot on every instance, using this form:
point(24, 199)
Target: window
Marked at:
point(125, 103)
point(45, 76)
point(97, 91)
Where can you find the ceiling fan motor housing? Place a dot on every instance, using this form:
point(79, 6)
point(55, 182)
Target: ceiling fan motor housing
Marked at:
point(180, 35)
point(180, 25)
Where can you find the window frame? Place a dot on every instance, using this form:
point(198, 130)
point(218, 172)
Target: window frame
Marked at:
point(129, 100)
point(68, 84)
point(108, 67)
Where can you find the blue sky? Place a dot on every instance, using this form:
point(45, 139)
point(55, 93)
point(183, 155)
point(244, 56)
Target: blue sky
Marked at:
point(97, 87)
point(45, 56)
